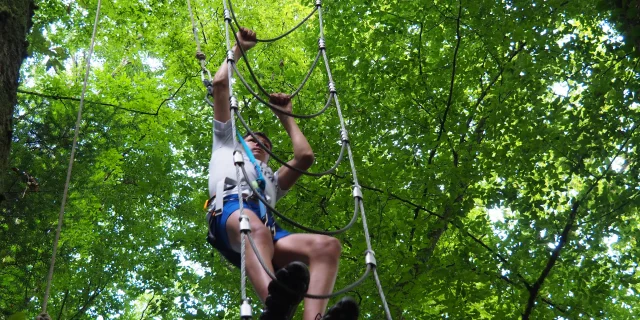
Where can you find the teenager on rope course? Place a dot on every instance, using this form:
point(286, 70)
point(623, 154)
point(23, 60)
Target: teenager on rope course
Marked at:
point(277, 246)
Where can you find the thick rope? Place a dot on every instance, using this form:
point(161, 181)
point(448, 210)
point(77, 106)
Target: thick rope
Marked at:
point(381, 292)
point(71, 158)
point(278, 108)
point(235, 20)
point(351, 162)
point(277, 213)
point(308, 295)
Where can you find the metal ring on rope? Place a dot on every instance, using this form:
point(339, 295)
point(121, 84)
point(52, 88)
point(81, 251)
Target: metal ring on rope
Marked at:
point(270, 207)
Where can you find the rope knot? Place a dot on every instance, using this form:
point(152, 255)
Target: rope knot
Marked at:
point(201, 56)
point(43, 316)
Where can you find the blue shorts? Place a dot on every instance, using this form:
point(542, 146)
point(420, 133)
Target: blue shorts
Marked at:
point(219, 226)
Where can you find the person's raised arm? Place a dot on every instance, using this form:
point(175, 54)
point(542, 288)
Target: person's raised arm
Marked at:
point(221, 111)
point(302, 153)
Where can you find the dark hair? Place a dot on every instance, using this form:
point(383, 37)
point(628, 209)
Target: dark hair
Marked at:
point(261, 134)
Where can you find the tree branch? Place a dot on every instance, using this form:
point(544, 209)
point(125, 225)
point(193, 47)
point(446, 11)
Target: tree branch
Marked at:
point(451, 86)
point(535, 289)
point(56, 97)
point(147, 306)
point(493, 252)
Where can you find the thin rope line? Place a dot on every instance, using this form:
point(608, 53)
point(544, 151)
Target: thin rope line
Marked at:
point(193, 27)
point(381, 292)
point(71, 159)
point(306, 78)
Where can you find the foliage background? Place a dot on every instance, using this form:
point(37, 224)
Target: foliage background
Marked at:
point(496, 143)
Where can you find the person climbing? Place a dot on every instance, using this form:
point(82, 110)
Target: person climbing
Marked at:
point(278, 247)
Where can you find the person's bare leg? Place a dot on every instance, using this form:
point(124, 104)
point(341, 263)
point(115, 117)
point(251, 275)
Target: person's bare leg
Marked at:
point(262, 237)
point(322, 255)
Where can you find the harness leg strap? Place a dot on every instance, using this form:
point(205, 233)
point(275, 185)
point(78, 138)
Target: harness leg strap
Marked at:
point(219, 196)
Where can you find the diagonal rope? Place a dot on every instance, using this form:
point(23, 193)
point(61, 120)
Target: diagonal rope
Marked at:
point(356, 185)
point(199, 54)
point(71, 159)
point(306, 78)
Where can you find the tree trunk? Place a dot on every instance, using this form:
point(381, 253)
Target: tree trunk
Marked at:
point(15, 22)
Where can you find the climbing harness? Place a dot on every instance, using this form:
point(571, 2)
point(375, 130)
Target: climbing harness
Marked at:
point(370, 261)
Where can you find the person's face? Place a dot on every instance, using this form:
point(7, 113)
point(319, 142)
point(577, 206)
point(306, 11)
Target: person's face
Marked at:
point(258, 153)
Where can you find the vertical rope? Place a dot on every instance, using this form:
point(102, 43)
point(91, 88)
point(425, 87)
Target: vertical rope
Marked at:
point(227, 27)
point(351, 162)
point(199, 54)
point(193, 27)
point(71, 158)
point(381, 292)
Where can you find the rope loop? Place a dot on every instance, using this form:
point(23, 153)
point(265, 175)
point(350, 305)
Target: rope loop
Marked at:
point(43, 316)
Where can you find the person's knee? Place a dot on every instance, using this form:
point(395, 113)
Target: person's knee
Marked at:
point(260, 233)
point(327, 248)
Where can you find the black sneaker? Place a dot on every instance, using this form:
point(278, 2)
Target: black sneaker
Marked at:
point(281, 303)
point(345, 309)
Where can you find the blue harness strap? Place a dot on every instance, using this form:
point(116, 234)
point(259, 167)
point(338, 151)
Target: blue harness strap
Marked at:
point(259, 183)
